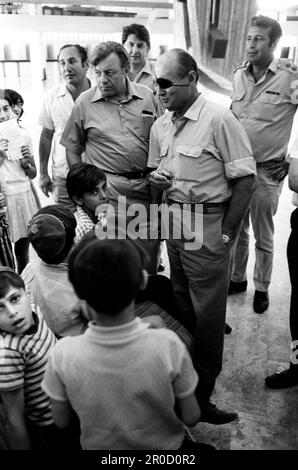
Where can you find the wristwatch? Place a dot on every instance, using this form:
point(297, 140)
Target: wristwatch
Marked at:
point(226, 239)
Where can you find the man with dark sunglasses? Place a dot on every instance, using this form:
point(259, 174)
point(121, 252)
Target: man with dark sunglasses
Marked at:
point(203, 161)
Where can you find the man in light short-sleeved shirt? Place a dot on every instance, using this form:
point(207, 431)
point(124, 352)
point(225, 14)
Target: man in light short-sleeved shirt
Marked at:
point(265, 99)
point(54, 115)
point(203, 159)
point(110, 124)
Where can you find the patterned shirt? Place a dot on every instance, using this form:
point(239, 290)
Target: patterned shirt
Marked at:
point(23, 360)
point(203, 149)
point(266, 109)
point(84, 224)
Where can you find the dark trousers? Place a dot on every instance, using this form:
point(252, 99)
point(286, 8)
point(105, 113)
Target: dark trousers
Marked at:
point(200, 279)
point(292, 255)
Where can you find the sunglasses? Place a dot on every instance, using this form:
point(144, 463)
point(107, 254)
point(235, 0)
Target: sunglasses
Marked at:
point(164, 83)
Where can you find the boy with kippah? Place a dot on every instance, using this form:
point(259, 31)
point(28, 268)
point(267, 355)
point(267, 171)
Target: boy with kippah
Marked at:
point(25, 343)
point(132, 377)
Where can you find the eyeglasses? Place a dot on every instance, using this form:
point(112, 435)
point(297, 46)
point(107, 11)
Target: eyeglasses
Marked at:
point(164, 83)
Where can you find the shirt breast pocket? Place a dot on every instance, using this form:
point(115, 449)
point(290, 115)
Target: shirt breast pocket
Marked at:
point(266, 106)
point(189, 162)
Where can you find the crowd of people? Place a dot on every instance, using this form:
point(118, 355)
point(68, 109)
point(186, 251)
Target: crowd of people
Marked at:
point(81, 365)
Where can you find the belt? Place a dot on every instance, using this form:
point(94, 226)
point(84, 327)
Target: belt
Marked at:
point(269, 163)
point(130, 175)
point(208, 207)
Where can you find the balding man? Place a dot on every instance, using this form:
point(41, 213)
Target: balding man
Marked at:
point(110, 125)
point(203, 159)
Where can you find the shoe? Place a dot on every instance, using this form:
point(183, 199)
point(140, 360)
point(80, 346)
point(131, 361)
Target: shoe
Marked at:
point(261, 301)
point(161, 266)
point(237, 287)
point(286, 378)
point(213, 415)
point(228, 329)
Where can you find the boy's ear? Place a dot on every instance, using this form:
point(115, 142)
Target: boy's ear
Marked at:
point(77, 200)
point(144, 280)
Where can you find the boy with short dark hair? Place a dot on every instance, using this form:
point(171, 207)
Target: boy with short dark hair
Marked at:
point(87, 187)
point(131, 376)
point(25, 343)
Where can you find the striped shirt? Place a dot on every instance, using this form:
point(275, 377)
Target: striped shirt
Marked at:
point(23, 360)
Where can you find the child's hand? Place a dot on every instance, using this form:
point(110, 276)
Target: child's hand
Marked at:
point(26, 160)
point(3, 145)
point(2, 200)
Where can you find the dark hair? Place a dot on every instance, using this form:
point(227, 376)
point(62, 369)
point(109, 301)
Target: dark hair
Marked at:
point(4, 95)
point(104, 49)
point(106, 273)
point(83, 178)
point(16, 98)
point(10, 279)
point(139, 30)
point(275, 31)
point(69, 222)
point(80, 49)
point(186, 63)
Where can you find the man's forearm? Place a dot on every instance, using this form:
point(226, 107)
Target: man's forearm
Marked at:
point(45, 145)
point(73, 158)
point(242, 191)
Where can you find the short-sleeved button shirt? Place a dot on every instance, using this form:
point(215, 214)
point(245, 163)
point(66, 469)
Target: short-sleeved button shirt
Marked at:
point(145, 76)
point(113, 134)
point(266, 109)
point(204, 149)
point(54, 115)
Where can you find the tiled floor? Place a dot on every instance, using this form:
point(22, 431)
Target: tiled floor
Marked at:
point(258, 344)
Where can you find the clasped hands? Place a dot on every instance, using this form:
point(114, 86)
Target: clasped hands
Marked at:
point(161, 179)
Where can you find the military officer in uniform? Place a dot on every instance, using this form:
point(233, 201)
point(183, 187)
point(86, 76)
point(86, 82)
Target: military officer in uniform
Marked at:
point(203, 160)
point(265, 98)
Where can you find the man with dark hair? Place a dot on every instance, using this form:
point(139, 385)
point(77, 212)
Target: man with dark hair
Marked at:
point(110, 125)
point(203, 161)
point(136, 40)
point(265, 99)
point(57, 107)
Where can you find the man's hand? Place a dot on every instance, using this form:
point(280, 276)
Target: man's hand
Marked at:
point(45, 184)
point(278, 171)
point(161, 179)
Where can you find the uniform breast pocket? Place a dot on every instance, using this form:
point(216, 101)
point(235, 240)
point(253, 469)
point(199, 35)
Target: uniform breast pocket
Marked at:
point(189, 162)
point(266, 106)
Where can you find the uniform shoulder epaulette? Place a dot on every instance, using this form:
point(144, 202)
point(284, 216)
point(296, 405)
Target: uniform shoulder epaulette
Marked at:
point(243, 65)
point(285, 64)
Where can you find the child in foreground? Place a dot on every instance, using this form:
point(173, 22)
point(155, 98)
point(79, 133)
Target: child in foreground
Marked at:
point(25, 343)
point(131, 377)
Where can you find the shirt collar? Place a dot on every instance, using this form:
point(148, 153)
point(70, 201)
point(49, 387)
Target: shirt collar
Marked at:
point(131, 92)
point(193, 111)
point(273, 66)
point(62, 90)
point(147, 68)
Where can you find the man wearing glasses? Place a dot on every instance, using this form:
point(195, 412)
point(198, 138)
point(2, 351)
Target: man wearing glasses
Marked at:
point(202, 157)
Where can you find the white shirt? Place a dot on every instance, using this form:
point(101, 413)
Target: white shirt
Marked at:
point(54, 115)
